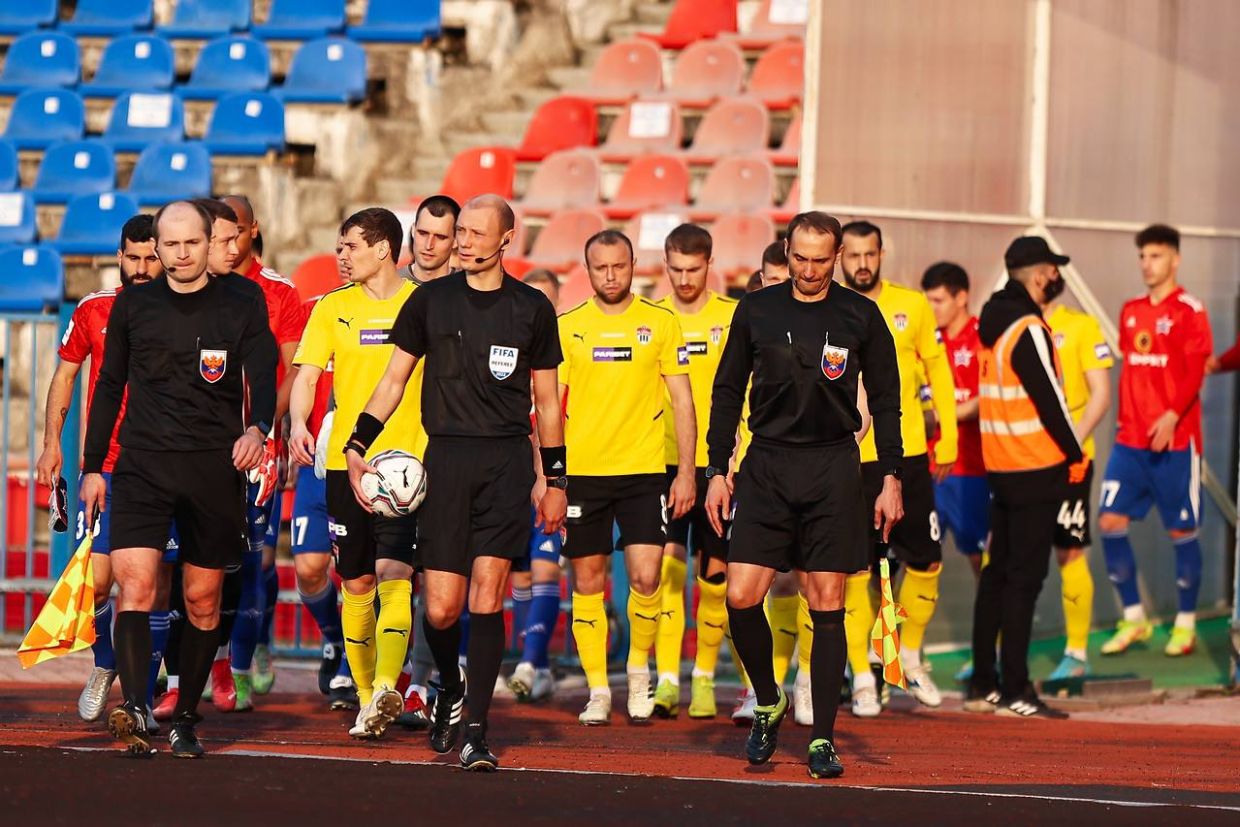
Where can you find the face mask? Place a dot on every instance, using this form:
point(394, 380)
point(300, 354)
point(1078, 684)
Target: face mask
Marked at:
point(1053, 289)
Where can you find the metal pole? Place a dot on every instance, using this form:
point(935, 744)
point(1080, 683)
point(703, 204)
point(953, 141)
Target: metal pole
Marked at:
point(31, 482)
point(4, 453)
point(811, 106)
point(70, 449)
point(1039, 108)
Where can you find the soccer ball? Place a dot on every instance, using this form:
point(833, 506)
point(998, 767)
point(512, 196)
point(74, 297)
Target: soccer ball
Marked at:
point(399, 486)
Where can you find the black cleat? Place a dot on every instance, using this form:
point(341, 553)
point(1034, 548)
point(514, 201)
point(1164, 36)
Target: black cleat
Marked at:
point(343, 694)
point(414, 717)
point(981, 700)
point(823, 760)
point(127, 723)
point(329, 666)
point(476, 755)
point(1028, 705)
point(446, 717)
point(764, 732)
point(183, 738)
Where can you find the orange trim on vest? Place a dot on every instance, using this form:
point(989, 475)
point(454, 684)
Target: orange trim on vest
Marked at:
point(1013, 436)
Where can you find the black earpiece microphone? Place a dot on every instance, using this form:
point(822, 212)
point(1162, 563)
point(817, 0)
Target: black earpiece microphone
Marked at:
point(485, 259)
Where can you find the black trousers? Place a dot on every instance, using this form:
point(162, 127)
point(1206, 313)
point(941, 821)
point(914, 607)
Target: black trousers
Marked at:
point(1022, 526)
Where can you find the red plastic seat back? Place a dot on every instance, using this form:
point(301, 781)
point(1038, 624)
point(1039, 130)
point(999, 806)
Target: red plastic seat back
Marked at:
point(561, 243)
point(716, 67)
point(738, 184)
point(575, 288)
point(316, 276)
point(480, 170)
point(780, 71)
point(564, 180)
point(693, 20)
point(791, 145)
point(648, 231)
point(740, 239)
point(645, 126)
point(654, 181)
point(560, 123)
point(737, 126)
point(630, 67)
point(780, 18)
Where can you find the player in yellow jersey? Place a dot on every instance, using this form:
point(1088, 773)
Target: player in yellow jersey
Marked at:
point(1085, 359)
point(705, 317)
point(350, 328)
point(619, 352)
point(915, 540)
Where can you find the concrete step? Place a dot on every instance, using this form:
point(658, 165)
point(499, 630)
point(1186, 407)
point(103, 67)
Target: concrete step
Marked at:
point(396, 192)
point(569, 78)
point(535, 96)
point(652, 13)
point(461, 141)
point(511, 124)
point(627, 29)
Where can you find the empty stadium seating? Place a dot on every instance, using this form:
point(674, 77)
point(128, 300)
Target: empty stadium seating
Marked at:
point(791, 206)
point(559, 245)
point(246, 123)
point(564, 180)
point(328, 70)
point(776, 20)
point(789, 152)
point(235, 63)
point(92, 225)
point(734, 126)
point(694, 20)
point(650, 181)
point(705, 72)
point(31, 279)
point(41, 117)
point(17, 218)
point(778, 78)
point(575, 288)
point(315, 276)
point(302, 20)
point(648, 231)
point(740, 239)
point(398, 21)
point(644, 126)
point(480, 170)
point(142, 118)
point(74, 168)
point(564, 122)
point(736, 184)
point(40, 59)
point(8, 166)
point(168, 171)
point(136, 61)
point(624, 71)
point(106, 18)
point(18, 17)
point(201, 19)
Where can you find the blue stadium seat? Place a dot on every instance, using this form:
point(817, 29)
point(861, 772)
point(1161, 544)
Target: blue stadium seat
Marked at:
point(74, 168)
point(199, 19)
point(247, 123)
point(8, 166)
point(92, 225)
point(167, 172)
point(17, 218)
point(229, 64)
point(18, 17)
point(136, 61)
point(398, 21)
point(107, 18)
point(139, 119)
point(41, 117)
point(32, 279)
point(42, 59)
point(301, 20)
point(330, 70)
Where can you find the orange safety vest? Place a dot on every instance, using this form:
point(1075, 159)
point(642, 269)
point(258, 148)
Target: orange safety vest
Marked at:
point(1013, 435)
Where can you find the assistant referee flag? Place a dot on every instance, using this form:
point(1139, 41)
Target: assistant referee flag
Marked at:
point(66, 623)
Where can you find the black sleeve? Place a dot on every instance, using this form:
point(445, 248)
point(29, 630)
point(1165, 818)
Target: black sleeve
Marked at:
point(1035, 366)
point(728, 395)
point(105, 405)
point(259, 359)
point(545, 353)
point(409, 329)
point(881, 374)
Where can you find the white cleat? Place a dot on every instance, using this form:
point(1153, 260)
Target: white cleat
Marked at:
point(94, 695)
point(921, 687)
point(521, 684)
point(641, 698)
point(501, 689)
point(746, 703)
point(802, 700)
point(359, 729)
point(385, 707)
point(865, 702)
point(544, 685)
point(598, 710)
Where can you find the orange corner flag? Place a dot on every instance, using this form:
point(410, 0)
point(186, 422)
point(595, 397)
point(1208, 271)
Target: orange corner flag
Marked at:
point(885, 637)
point(66, 623)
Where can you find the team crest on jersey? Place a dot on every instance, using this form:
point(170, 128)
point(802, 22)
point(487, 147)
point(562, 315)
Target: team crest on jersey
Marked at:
point(503, 361)
point(1143, 341)
point(643, 335)
point(834, 361)
point(901, 321)
point(716, 335)
point(212, 364)
point(1059, 340)
point(1163, 325)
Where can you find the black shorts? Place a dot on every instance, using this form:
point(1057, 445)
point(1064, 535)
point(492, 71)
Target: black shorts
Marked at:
point(200, 490)
point(915, 539)
point(638, 502)
point(1072, 520)
point(477, 502)
point(359, 538)
point(800, 508)
point(706, 543)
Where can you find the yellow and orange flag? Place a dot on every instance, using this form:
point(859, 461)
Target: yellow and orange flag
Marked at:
point(885, 637)
point(66, 623)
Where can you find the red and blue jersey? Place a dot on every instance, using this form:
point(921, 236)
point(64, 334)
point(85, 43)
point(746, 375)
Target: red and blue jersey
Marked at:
point(962, 351)
point(1164, 347)
point(84, 337)
point(285, 314)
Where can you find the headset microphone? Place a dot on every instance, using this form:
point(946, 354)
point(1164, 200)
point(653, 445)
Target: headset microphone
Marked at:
point(485, 259)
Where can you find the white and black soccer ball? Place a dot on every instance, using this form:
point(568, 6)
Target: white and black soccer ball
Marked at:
point(399, 486)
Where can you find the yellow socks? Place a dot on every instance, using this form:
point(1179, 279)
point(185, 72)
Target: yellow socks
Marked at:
point(643, 612)
point(357, 620)
point(712, 619)
point(859, 616)
point(781, 612)
point(590, 635)
point(395, 618)
point(805, 634)
point(1078, 604)
point(671, 636)
point(919, 595)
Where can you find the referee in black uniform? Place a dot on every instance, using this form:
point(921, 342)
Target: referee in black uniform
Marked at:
point(799, 502)
point(484, 335)
point(184, 347)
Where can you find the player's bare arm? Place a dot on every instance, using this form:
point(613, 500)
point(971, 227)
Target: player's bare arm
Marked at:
point(284, 392)
point(59, 395)
point(301, 402)
point(552, 502)
point(681, 496)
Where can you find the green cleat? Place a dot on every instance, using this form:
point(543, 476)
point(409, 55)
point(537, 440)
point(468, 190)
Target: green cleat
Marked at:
point(1183, 642)
point(702, 697)
point(1128, 632)
point(823, 760)
point(1070, 667)
point(764, 733)
point(667, 700)
point(244, 687)
point(264, 675)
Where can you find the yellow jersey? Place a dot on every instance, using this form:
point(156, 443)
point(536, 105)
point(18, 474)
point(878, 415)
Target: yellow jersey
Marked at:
point(911, 322)
point(614, 367)
point(1081, 347)
point(705, 332)
point(351, 330)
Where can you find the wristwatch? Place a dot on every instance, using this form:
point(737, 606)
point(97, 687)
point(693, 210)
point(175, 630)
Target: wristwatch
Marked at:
point(895, 471)
point(712, 471)
point(560, 482)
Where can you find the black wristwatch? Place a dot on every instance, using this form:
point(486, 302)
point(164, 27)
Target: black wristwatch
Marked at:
point(560, 482)
point(895, 471)
point(712, 471)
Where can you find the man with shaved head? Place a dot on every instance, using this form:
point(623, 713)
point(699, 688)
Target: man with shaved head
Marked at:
point(180, 347)
point(484, 337)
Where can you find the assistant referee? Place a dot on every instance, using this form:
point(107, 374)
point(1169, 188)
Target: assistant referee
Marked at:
point(799, 503)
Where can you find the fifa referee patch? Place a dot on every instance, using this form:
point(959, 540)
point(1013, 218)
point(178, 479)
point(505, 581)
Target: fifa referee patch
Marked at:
point(212, 364)
point(503, 361)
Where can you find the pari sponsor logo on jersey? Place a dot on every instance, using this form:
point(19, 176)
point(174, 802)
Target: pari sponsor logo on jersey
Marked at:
point(1102, 351)
point(834, 361)
point(697, 348)
point(374, 336)
point(612, 354)
point(212, 364)
point(503, 361)
point(682, 356)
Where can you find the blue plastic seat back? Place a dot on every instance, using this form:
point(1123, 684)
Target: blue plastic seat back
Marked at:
point(104, 17)
point(204, 18)
point(246, 123)
point(92, 224)
point(293, 19)
point(399, 20)
point(41, 59)
point(141, 118)
point(32, 279)
point(20, 16)
point(166, 172)
point(8, 166)
point(136, 61)
point(41, 117)
point(236, 63)
point(328, 69)
point(17, 224)
point(75, 168)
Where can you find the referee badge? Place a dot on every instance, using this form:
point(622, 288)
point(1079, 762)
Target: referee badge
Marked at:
point(834, 360)
point(212, 364)
point(503, 361)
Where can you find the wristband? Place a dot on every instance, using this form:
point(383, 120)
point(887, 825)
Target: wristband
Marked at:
point(365, 432)
point(554, 461)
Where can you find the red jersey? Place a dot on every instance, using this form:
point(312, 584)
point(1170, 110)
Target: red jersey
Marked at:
point(322, 389)
point(285, 314)
point(1165, 347)
point(962, 354)
point(84, 337)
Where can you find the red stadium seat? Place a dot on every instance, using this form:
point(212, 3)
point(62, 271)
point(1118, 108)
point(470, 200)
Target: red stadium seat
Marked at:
point(776, 20)
point(778, 78)
point(517, 267)
point(564, 180)
point(740, 239)
point(480, 170)
point(739, 184)
point(789, 152)
point(740, 126)
point(316, 276)
point(644, 126)
point(559, 246)
point(565, 122)
point(575, 288)
point(648, 231)
point(651, 181)
point(693, 20)
point(624, 71)
point(791, 206)
point(705, 72)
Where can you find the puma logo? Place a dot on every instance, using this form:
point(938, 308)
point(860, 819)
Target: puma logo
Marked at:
point(363, 642)
point(788, 632)
point(1071, 598)
point(401, 632)
point(651, 618)
point(346, 322)
point(589, 623)
point(712, 625)
point(580, 336)
point(668, 613)
point(927, 599)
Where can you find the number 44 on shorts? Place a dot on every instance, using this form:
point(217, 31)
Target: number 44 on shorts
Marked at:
point(1072, 514)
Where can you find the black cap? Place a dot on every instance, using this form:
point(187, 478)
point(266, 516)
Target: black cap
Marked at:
point(1029, 250)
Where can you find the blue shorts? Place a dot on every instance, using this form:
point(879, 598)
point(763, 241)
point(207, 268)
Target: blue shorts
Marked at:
point(272, 536)
point(963, 504)
point(101, 544)
point(1137, 479)
point(309, 524)
point(543, 546)
point(257, 518)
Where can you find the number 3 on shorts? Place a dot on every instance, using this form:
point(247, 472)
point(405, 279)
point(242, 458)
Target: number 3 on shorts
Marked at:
point(1110, 490)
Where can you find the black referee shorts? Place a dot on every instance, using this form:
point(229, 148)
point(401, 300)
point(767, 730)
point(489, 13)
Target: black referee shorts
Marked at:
point(477, 502)
point(1072, 521)
point(359, 538)
point(706, 543)
point(200, 490)
point(914, 541)
point(800, 508)
point(638, 502)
